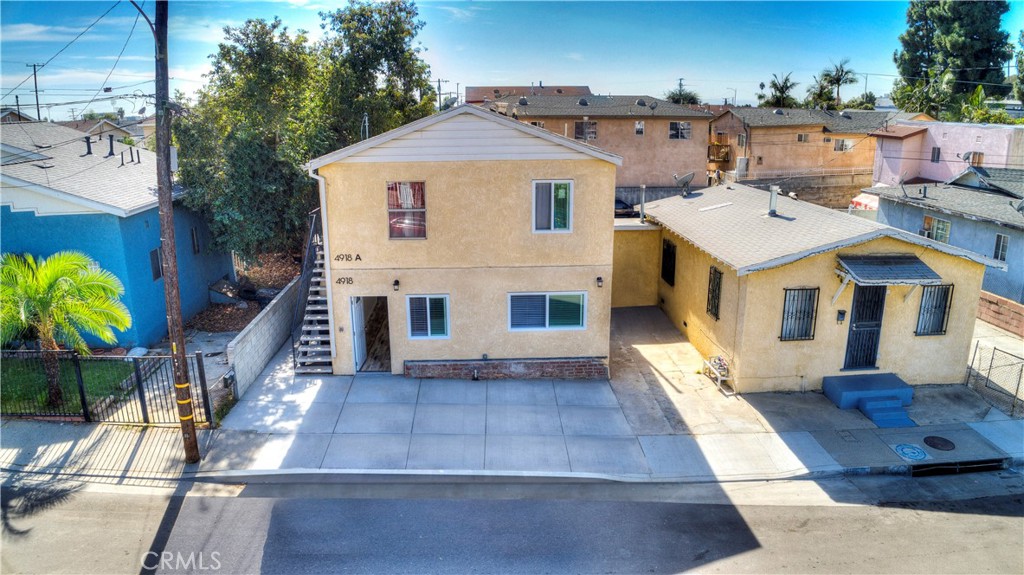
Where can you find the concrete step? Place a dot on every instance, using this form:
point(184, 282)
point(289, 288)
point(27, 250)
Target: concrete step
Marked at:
point(315, 317)
point(313, 298)
point(316, 307)
point(314, 338)
point(310, 369)
point(889, 417)
point(307, 348)
point(870, 405)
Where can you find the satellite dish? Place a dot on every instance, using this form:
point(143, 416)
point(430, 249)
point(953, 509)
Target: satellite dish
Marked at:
point(778, 112)
point(523, 101)
point(583, 102)
point(142, 111)
point(684, 182)
point(641, 102)
point(449, 102)
point(654, 104)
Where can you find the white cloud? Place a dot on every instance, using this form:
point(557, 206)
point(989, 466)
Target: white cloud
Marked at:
point(575, 56)
point(460, 14)
point(27, 32)
point(199, 30)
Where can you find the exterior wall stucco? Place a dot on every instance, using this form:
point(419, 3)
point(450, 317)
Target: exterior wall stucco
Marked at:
point(479, 248)
point(650, 159)
point(1002, 146)
point(636, 267)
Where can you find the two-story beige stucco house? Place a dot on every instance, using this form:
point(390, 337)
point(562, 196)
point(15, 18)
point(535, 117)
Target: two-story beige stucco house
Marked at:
point(468, 244)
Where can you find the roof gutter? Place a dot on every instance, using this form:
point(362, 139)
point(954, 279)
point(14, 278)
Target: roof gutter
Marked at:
point(322, 187)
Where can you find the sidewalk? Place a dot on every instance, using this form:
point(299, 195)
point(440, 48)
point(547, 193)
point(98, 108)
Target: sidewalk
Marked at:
point(656, 420)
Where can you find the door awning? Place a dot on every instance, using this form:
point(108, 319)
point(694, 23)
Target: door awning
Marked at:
point(885, 270)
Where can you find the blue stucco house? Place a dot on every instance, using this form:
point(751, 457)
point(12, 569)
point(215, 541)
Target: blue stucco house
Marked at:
point(980, 209)
point(61, 189)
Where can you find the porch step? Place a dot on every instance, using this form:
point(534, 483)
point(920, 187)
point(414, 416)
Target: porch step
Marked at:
point(311, 369)
point(890, 417)
point(846, 391)
point(873, 405)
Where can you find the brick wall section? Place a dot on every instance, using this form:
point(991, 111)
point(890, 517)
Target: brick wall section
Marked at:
point(560, 368)
point(1001, 312)
point(253, 347)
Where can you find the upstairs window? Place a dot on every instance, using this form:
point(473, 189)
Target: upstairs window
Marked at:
point(428, 316)
point(936, 229)
point(679, 131)
point(638, 127)
point(586, 131)
point(407, 210)
point(741, 140)
point(936, 153)
point(799, 309)
point(552, 206)
point(842, 145)
point(668, 262)
point(547, 311)
point(537, 123)
point(803, 138)
point(1002, 242)
point(934, 312)
point(714, 291)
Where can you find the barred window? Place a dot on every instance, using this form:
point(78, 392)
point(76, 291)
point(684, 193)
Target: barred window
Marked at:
point(799, 309)
point(668, 262)
point(714, 291)
point(934, 314)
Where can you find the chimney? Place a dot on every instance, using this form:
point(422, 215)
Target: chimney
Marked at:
point(773, 200)
point(88, 145)
point(111, 152)
point(643, 201)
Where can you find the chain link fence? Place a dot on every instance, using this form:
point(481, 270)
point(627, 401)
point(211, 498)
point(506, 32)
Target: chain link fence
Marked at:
point(998, 376)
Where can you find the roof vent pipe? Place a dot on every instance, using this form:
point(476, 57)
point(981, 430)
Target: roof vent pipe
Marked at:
point(88, 145)
point(111, 139)
point(924, 192)
point(122, 158)
point(773, 200)
point(643, 201)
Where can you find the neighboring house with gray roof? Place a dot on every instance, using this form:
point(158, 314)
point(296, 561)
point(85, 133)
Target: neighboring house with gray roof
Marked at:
point(655, 138)
point(13, 115)
point(980, 209)
point(795, 295)
point(61, 189)
point(482, 94)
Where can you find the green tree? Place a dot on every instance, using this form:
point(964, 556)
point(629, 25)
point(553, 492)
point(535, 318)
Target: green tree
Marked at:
point(682, 96)
point(1018, 81)
point(932, 95)
point(781, 93)
point(819, 95)
point(964, 38)
point(863, 102)
point(838, 76)
point(56, 299)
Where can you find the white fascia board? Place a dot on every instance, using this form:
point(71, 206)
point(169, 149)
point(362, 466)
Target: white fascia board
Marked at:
point(10, 181)
point(463, 109)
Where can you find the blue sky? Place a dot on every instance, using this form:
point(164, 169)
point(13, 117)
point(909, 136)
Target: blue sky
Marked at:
point(614, 47)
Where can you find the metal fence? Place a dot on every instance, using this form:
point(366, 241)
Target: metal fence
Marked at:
point(999, 377)
point(98, 388)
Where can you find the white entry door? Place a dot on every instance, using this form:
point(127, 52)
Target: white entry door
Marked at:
point(358, 332)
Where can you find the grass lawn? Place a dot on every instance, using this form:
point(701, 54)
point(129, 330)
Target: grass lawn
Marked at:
point(23, 383)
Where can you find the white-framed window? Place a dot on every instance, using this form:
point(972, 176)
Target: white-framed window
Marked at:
point(547, 311)
point(586, 130)
point(428, 316)
point(936, 229)
point(407, 210)
point(803, 138)
point(936, 153)
point(679, 131)
point(552, 206)
point(842, 145)
point(1002, 242)
point(741, 140)
point(537, 123)
point(638, 127)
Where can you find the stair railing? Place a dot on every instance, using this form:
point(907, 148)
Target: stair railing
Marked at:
point(313, 239)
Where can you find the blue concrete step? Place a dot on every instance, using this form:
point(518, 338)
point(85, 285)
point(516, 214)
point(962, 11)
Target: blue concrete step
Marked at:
point(890, 417)
point(869, 406)
point(846, 391)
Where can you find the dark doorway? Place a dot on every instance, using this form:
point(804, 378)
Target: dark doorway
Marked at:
point(865, 327)
point(371, 335)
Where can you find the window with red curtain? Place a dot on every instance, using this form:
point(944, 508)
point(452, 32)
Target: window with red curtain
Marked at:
point(407, 210)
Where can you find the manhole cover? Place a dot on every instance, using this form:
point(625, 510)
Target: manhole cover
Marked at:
point(910, 452)
point(940, 443)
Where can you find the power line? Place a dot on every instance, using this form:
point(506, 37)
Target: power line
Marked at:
point(116, 60)
point(89, 27)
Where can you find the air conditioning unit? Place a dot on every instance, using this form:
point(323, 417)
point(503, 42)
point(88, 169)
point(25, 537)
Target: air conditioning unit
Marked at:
point(827, 139)
point(925, 233)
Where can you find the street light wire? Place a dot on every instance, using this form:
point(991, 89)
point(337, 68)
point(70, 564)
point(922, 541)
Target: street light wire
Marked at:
point(116, 60)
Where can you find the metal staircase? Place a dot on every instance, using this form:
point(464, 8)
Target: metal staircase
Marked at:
point(312, 354)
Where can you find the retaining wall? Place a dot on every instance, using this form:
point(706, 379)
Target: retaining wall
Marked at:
point(1001, 312)
point(562, 368)
point(255, 345)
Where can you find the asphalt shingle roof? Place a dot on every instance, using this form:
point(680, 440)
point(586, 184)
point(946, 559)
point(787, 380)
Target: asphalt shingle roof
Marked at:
point(482, 93)
point(597, 106)
point(962, 201)
point(1008, 179)
point(844, 122)
point(96, 178)
point(731, 223)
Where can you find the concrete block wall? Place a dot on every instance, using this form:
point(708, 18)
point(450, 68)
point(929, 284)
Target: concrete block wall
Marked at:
point(558, 368)
point(1001, 312)
point(255, 345)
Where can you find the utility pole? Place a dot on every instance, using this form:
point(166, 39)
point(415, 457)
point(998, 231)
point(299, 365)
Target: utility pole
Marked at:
point(35, 82)
point(681, 85)
point(439, 93)
point(17, 106)
point(176, 332)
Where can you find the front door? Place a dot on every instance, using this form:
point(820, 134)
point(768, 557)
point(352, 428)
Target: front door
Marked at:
point(358, 332)
point(865, 327)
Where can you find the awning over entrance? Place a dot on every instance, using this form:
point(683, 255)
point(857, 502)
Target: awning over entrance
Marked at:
point(895, 269)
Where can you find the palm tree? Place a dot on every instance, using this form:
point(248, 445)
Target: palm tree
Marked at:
point(838, 76)
point(780, 96)
point(57, 298)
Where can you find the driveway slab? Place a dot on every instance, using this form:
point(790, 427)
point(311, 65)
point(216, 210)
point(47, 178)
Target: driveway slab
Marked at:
point(521, 392)
point(376, 418)
point(383, 389)
point(526, 453)
point(587, 420)
point(448, 452)
point(368, 451)
point(675, 456)
point(453, 391)
point(283, 417)
point(591, 393)
point(457, 419)
point(619, 455)
point(523, 420)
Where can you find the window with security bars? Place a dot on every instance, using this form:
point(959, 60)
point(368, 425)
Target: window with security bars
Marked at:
point(934, 313)
point(1002, 243)
point(714, 291)
point(585, 131)
point(799, 310)
point(668, 262)
point(407, 210)
point(540, 311)
point(679, 131)
point(428, 316)
point(552, 206)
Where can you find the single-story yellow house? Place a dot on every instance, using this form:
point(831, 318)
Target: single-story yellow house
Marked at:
point(469, 245)
point(788, 292)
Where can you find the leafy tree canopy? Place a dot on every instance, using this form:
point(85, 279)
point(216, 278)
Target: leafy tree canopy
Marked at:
point(781, 93)
point(682, 96)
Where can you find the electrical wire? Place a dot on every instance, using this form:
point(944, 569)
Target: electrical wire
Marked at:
point(118, 59)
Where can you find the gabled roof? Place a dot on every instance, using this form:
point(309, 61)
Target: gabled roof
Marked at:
point(730, 223)
point(596, 106)
point(841, 122)
point(1007, 180)
point(93, 126)
point(898, 132)
point(969, 203)
point(478, 94)
point(465, 109)
point(98, 181)
point(13, 113)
